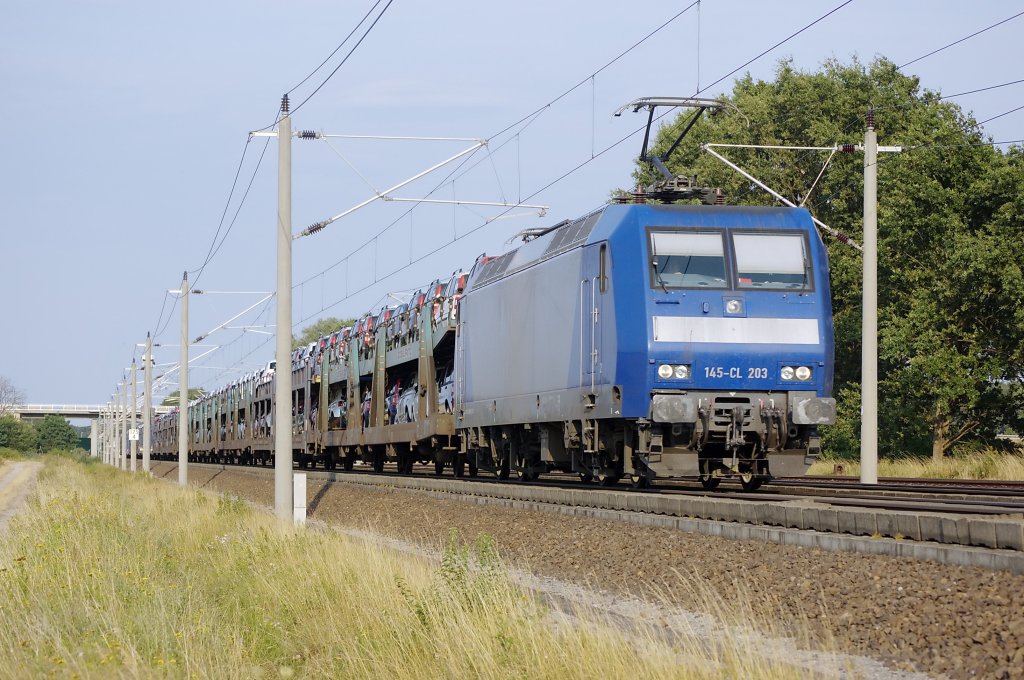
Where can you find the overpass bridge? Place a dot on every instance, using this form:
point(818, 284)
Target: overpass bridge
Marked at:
point(88, 411)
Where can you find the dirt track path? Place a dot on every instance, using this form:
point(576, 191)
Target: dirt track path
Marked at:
point(16, 481)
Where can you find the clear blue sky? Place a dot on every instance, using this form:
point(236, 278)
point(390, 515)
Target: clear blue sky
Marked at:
point(124, 123)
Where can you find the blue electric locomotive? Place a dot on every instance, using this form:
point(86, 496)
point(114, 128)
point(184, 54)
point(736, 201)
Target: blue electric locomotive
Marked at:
point(650, 340)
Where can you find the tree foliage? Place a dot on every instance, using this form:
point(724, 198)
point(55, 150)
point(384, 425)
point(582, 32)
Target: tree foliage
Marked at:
point(193, 394)
point(56, 433)
point(17, 434)
point(951, 290)
point(319, 329)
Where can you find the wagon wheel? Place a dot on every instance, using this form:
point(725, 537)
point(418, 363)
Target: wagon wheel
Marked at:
point(524, 470)
point(640, 481)
point(749, 480)
point(707, 479)
point(504, 467)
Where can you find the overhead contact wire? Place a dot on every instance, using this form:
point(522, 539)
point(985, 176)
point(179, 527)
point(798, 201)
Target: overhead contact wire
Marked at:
point(957, 42)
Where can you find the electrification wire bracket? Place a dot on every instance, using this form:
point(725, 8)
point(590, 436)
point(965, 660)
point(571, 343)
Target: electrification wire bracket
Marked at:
point(386, 194)
point(844, 148)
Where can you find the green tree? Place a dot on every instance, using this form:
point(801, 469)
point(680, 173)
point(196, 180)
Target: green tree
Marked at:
point(319, 329)
point(56, 433)
point(951, 293)
point(193, 394)
point(17, 434)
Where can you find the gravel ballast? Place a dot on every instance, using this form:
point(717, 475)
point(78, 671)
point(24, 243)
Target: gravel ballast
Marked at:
point(912, 615)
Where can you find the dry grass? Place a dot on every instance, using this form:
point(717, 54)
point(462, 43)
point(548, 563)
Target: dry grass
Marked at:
point(108, 575)
point(985, 465)
point(10, 454)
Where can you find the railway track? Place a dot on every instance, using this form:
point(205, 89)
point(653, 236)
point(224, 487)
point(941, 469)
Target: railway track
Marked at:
point(966, 531)
point(966, 487)
point(1003, 497)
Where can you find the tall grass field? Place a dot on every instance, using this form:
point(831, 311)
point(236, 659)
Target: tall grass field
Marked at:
point(983, 465)
point(109, 575)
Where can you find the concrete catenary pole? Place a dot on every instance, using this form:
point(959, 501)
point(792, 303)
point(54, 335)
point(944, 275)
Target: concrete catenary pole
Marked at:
point(122, 423)
point(111, 435)
point(122, 462)
point(125, 425)
point(94, 432)
point(283, 375)
point(147, 406)
point(869, 341)
point(102, 434)
point(134, 443)
point(111, 431)
point(106, 434)
point(113, 426)
point(183, 388)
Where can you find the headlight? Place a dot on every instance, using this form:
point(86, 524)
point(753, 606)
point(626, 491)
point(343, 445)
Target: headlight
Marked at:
point(787, 373)
point(803, 373)
point(677, 371)
point(733, 306)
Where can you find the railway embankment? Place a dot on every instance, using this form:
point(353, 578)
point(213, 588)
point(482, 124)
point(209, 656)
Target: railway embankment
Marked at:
point(912, 614)
point(106, 574)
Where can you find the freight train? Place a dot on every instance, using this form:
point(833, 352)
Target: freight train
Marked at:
point(643, 340)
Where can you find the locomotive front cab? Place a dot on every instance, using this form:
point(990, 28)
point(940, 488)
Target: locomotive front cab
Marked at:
point(740, 346)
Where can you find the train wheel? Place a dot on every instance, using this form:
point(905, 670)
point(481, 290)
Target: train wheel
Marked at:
point(474, 470)
point(348, 462)
point(459, 466)
point(708, 480)
point(640, 481)
point(586, 477)
point(438, 466)
point(750, 482)
point(378, 461)
point(608, 479)
point(526, 474)
point(504, 466)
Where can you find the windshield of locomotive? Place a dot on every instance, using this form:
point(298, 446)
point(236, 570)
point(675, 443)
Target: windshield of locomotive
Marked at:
point(688, 260)
point(771, 261)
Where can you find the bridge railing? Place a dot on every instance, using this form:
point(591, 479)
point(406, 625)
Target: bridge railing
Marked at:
point(58, 409)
